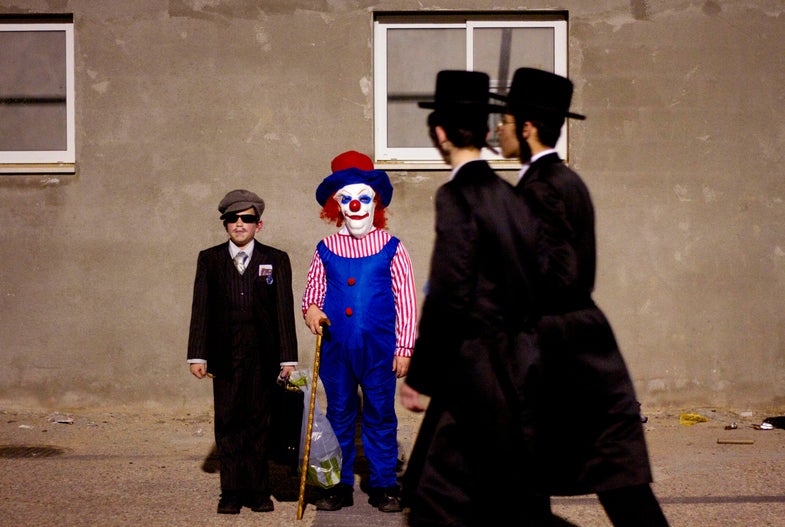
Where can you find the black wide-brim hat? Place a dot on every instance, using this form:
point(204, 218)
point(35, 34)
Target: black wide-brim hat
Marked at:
point(539, 92)
point(461, 90)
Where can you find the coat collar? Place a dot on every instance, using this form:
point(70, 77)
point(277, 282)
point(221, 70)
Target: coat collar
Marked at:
point(550, 158)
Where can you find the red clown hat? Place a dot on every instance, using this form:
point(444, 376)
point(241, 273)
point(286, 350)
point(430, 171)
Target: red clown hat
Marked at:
point(351, 159)
point(353, 167)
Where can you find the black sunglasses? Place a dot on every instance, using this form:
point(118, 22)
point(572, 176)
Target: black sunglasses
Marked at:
point(247, 218)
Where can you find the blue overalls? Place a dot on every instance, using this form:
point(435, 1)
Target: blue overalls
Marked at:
point(358, 349)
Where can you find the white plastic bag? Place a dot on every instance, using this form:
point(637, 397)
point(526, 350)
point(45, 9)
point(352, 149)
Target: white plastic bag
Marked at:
point(324, 458)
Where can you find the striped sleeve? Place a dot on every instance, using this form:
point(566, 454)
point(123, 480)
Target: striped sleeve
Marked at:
point(316, 285)
point(405, 302)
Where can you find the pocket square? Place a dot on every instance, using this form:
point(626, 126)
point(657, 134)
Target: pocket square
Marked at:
point(266, 270)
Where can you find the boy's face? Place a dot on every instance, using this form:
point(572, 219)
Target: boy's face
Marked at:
point(240, 231)
point(357, 208)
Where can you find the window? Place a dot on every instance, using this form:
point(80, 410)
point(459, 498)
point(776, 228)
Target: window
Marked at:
point(411, 48)
point(37, 94)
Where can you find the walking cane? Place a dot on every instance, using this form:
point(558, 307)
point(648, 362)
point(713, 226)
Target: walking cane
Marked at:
point(309, 428)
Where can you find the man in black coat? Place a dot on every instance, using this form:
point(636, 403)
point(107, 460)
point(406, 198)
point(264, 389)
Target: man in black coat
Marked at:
point(242, 335)
point(602, 448)
point(475, 350)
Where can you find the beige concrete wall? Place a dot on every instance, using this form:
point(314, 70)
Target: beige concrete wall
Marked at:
point(179, 101)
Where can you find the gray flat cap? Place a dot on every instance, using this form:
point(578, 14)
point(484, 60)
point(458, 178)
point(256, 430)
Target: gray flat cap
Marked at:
point(238, 200)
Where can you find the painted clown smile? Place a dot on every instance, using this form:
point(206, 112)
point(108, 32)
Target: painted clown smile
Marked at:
point(357, 208)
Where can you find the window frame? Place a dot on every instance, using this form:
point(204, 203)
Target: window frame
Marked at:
point(46, 161)
point(428, 158)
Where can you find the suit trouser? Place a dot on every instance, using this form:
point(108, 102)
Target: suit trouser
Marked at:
point(242, 415)
point(452, 480)
point(633, 507)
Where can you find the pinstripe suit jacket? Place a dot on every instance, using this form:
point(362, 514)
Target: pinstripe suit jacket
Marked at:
point(214, 317)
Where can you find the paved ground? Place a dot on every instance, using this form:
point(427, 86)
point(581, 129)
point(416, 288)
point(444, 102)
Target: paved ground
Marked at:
point(118, 468)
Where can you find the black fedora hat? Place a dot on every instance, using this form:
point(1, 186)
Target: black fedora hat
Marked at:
point(539, 92)
point(456, 89)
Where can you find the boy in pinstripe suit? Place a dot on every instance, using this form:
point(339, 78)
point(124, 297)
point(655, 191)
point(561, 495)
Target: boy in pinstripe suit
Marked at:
point(242, 336)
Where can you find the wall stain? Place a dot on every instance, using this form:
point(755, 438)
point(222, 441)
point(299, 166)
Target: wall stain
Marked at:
point(639, 9)
point(229, 9)
point(58, 5)
point(711, 8)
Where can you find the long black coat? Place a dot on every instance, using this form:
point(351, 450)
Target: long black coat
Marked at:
point(591, 435)
point(473, 353)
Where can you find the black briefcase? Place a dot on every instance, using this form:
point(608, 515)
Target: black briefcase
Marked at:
point(286, 420)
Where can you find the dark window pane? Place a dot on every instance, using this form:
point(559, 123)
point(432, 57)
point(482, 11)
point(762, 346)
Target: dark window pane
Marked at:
point(414, 57)
point(33, 91)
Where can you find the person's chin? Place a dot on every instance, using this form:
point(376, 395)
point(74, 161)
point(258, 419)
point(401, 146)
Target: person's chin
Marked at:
point(510, 154)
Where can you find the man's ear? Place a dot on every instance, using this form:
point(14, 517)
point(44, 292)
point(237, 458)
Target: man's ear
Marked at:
point(530, 132)
point(441, 135)
point(527, 129)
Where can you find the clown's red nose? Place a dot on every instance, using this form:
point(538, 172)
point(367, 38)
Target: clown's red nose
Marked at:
point(354, 206)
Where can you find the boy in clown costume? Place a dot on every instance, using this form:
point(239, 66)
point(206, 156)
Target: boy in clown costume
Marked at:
point(361, 280)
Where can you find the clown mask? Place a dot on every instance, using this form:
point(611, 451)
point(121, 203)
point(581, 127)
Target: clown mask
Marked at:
point(357, 208)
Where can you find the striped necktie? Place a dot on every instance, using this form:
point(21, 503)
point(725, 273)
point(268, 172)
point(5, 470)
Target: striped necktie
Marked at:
point(239, 261)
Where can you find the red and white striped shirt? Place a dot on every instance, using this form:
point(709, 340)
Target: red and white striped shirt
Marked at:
point(345, 245)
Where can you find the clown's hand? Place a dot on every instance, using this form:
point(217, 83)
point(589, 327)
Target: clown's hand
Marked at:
point(401, 366)
point(314, 317)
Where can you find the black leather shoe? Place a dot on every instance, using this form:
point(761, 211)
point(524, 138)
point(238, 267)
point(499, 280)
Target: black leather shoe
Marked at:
point(386, 500)
point(229, 506)
point(336, 498)
point(261, 505)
